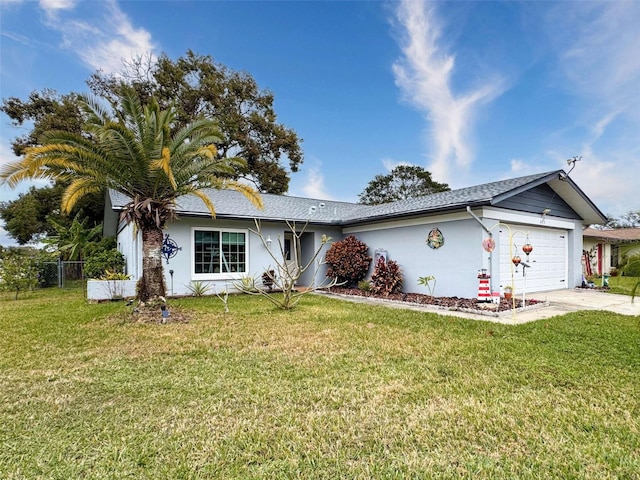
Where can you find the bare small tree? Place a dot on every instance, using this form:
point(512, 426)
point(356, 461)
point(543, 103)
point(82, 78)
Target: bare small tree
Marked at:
point(284, 275)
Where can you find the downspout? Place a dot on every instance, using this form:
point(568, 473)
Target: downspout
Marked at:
point(477, 219)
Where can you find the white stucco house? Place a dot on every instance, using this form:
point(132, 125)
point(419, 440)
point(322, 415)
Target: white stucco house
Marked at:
point(547, 211)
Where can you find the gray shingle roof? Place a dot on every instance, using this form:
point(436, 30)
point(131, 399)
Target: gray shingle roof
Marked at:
point(231, 204)
point(484, 194)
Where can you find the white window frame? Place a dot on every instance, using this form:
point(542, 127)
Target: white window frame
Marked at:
point(222, 275)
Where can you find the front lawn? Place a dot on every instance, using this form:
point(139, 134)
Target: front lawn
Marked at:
point(622, 284)
point(330, 390)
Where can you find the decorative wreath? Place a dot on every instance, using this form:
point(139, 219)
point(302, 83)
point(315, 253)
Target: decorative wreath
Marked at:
point(435, 239)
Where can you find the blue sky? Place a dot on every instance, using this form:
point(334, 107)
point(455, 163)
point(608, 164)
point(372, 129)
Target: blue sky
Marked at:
point(472, 91)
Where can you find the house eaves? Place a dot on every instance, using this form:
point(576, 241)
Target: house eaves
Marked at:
point(576, 199)
point(617, 235)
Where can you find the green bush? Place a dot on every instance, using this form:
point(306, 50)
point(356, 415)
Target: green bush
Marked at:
point(47, 266)
point(386, 278)
point(101, 261)
point(631, 266)
point(18, 272)
point(348, 260)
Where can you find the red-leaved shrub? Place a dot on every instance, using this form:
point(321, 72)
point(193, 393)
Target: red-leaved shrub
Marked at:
point(348, 260)
point(386, 278)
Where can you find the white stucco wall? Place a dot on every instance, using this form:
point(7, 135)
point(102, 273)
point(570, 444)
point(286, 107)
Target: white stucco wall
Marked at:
point(110, 289)
point(258, 258)
point(455, 265)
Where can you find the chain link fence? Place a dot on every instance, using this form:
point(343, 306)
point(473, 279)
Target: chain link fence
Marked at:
point(61, 274)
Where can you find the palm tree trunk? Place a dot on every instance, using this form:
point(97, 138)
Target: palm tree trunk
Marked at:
point(151, 284)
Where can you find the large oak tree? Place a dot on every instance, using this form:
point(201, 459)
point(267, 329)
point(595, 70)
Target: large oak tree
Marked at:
point(200, 87)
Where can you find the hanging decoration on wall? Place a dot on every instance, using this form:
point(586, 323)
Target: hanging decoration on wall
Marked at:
point(435, 239)
point(169, 248)
point(489, 244)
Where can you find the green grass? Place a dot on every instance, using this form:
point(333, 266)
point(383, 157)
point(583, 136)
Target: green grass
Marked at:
point(330, 390)
point(622, 284)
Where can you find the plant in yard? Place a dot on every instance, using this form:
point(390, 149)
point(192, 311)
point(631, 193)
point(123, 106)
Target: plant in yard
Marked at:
point(284, 276)
point(268, 277)
point(18, 271)
point(631, 268)
point(114, 283)
point(98, 263)
point(72, 241)
point(246, 283)
point(348, 260)
point(224, 298)
point(134, 151)
point(426, 282)
point(198, 288)
point(364, 285)
point(386, 278)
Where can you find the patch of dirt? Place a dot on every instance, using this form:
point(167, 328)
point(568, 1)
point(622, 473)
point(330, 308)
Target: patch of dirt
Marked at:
point(153, 314)
point(448, 303)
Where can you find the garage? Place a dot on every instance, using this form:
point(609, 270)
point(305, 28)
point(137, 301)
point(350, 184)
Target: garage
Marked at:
point(548, 261)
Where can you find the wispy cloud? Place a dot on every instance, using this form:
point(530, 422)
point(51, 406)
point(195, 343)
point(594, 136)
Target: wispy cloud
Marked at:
point(598, 51)
point(314, 186)
point(389, 163)
point(597, 45)
point(312, 183)
point(424, 76)
point(53, 6)
point(102, 41)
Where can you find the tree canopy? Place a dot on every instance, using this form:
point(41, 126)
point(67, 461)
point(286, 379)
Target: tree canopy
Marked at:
point(195, 87)
point(29, 217)
point(46, 110)
point(202, 88)
point(631, 219)
point(134, 150)
point(403, 182)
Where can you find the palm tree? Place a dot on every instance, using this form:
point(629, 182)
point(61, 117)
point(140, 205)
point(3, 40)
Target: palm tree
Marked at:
point(134, 154)
point(72, 241)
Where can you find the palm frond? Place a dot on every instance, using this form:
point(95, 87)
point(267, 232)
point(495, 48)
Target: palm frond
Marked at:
point(76, 190)
point(164, 164)
point(250, 193)
point(96, 114)
point(206, 200)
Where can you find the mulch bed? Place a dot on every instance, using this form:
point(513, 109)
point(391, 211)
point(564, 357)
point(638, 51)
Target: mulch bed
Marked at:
point(447, 303)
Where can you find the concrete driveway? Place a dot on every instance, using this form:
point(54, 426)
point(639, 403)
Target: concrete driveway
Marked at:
point(566, 301)
point(561, 302)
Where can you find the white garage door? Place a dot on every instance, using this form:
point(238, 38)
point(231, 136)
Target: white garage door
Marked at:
point(548, 260)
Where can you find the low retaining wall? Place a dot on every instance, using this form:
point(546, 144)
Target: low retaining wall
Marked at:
point(110, 289)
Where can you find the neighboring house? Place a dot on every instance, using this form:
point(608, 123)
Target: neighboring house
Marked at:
point(604, 249)
point(440, 235)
